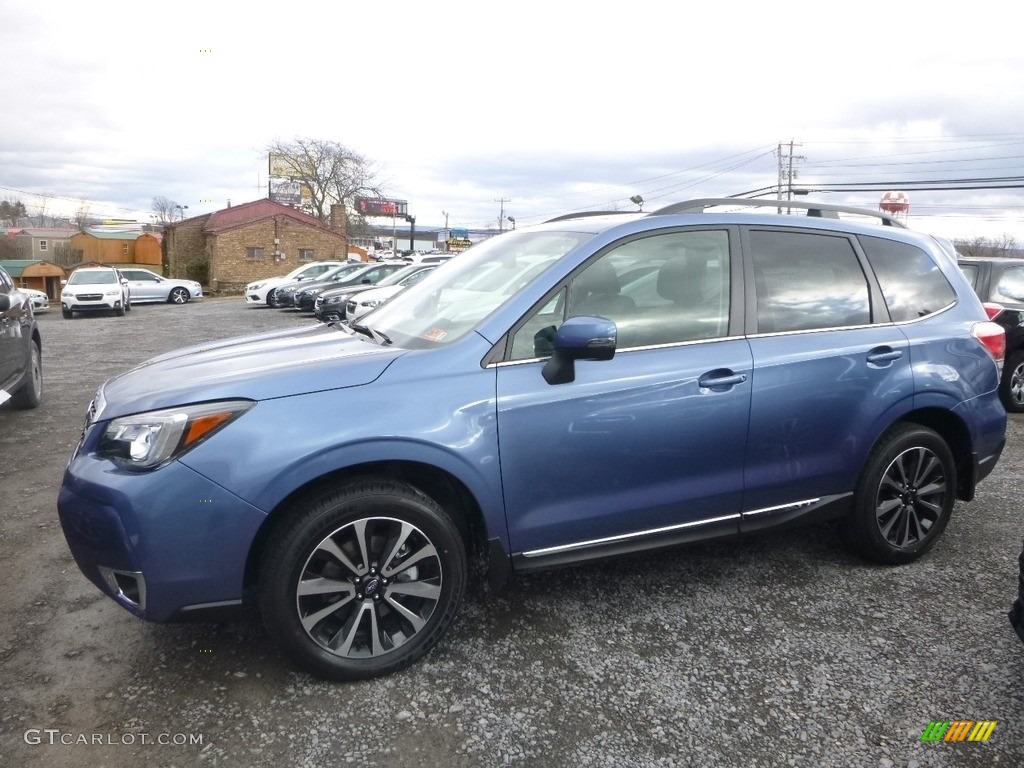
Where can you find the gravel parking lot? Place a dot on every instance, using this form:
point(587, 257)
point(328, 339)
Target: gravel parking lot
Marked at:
point(781, 650)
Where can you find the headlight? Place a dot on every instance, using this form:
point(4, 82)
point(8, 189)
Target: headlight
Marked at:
point(254, 286)
point(370, 303)
point(148, 440)
point(114, 292)
point(335, 299)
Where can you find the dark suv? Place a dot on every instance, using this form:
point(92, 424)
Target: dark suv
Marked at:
point(589, 387)
point(1001, 281)
point(21, 357)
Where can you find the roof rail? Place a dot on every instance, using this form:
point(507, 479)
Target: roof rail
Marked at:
point(819, 210)
point(585, 214)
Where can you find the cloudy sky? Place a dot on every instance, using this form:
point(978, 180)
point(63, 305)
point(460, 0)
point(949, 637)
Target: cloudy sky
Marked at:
point(554, 107)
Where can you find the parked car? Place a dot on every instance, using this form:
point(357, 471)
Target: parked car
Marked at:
point(40, 301)
point(95, 289)
point(21, 347)
point(304, 297)
point(783, 369)
point(1001, 282)
point(331, 304)
point(358, 305)
point(261, 292)
point(284, 294)
point(148, 286)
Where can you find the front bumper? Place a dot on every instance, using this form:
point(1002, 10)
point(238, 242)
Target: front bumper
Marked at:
point(86, 304)
point(160, 543)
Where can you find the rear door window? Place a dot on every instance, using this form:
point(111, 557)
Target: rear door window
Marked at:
point(807, 281)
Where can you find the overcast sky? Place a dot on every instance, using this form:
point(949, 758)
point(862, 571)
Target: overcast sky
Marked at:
point(555, 106)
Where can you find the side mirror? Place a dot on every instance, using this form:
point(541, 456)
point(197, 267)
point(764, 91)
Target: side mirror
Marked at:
point(63, 282)
point(579, 338)
point(365, 281)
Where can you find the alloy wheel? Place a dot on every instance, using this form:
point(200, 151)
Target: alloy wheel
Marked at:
point(912, 495)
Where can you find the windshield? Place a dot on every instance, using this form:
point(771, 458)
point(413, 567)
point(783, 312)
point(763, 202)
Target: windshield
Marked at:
point(338, 272)
point(398, 276)
point(450, 302)
point(92, 278)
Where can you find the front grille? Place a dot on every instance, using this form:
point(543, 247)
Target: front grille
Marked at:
point(89, 297)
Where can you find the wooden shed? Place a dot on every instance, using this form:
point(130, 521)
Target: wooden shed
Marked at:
point(35, 273)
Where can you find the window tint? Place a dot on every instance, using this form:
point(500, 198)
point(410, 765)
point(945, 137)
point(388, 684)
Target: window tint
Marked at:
point(1011, 286)
point(806, 280)
point(912, 284)
point(663, 289)
point(971, 271)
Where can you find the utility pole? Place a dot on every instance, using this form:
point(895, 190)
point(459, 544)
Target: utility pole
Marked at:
point(501, 216)
point(786, 171)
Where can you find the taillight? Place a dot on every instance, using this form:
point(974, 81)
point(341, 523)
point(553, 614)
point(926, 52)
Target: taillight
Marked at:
point(992, 309)
point(993, 337)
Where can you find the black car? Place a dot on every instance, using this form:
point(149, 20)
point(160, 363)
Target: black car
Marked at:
point(1001, 281)
point(21, 355)
point(330, 304)
point(305, 296)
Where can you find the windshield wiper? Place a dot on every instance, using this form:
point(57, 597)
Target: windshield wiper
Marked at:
point(377, 336)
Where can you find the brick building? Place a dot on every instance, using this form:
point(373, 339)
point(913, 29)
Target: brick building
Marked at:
point(242, 243)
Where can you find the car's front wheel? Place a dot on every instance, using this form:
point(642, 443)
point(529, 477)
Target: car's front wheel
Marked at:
point(905, 496)
point(363, 579)
point(66, 313)
point(178, 296)
point(1011, 389)
point(30, 394)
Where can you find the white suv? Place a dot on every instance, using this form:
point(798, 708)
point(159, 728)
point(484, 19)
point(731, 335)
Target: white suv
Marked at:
point(92, 289)
point(258, 293)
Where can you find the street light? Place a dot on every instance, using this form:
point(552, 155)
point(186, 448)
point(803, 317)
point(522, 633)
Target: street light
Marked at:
point(639, 201)
point(182, 208)
point(512, 220)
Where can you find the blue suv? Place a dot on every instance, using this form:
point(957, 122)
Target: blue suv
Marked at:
point(597, 385)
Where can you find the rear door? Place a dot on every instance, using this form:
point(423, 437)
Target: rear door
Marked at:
point(827, 366)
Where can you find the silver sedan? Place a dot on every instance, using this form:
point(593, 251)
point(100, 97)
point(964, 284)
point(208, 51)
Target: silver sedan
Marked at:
point(147, 286)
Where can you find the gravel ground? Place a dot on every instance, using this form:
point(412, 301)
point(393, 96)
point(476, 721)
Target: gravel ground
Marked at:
point(782, 650)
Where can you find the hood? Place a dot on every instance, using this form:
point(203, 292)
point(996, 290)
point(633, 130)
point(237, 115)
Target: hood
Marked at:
point(261, 367)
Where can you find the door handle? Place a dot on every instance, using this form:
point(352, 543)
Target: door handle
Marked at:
point(884, 355)
point(721, 380)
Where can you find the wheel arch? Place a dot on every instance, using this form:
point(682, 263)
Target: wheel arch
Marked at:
point(442, 486)
point(952, 429)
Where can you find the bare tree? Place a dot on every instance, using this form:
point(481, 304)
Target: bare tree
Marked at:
point(1005, 245)
point(164, 209)
point(330, 171)
point(81, 219)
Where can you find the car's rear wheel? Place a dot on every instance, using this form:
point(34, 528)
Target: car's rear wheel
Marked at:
point(905, 496)
point(178, 296)
point(1012, 385)
point(30, 394)
point(363, 580)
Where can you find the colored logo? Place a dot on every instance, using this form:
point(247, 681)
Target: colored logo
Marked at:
point(958, 730)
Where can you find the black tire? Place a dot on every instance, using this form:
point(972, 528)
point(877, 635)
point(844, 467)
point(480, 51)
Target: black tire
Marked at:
point(119, 310)
point(178, 296)
point(271, 298)
point(1011, 388)
point(386, 617)
point(66, 313)
point(128, 306)
point(904, 498)
point(30, 393)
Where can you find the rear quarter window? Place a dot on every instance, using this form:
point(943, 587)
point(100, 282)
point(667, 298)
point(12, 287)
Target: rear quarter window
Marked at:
point(911, 281)
point(1011, 285)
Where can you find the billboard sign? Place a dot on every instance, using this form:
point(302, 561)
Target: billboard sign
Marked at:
point(285, 192)
point(381, 206)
